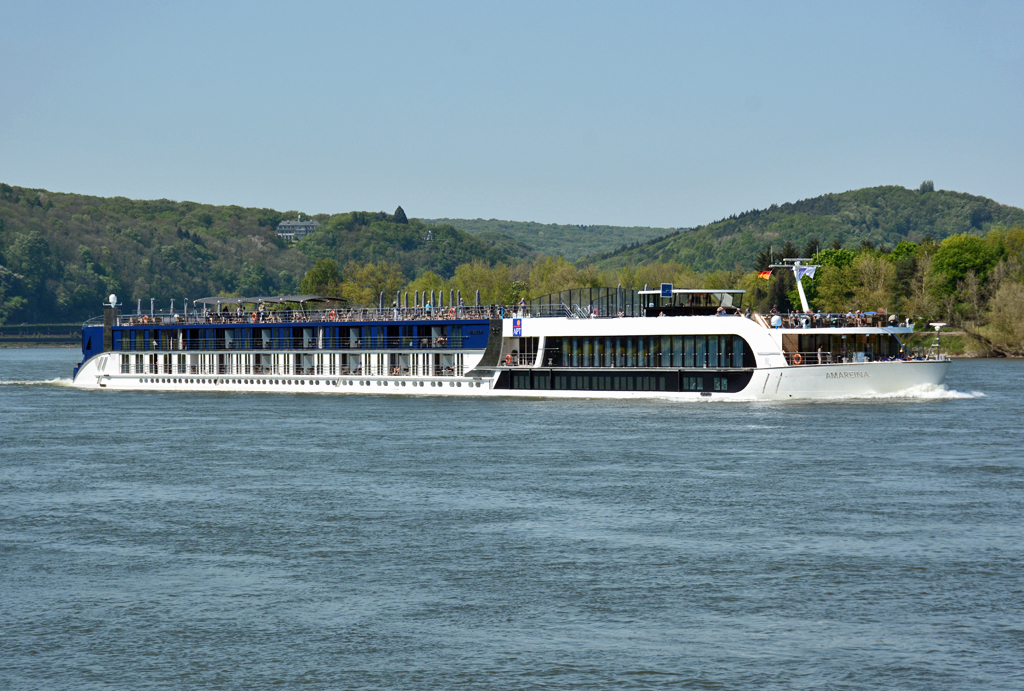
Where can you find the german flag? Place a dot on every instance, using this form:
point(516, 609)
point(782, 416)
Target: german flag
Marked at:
point(765, 274)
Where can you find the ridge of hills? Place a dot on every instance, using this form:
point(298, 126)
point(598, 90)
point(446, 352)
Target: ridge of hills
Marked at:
point(61, 254)
point(572, 242)
point(882, 216)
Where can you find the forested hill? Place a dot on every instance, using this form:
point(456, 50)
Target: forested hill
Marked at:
point(880, 215)
point(62, 254)
point(572, 242)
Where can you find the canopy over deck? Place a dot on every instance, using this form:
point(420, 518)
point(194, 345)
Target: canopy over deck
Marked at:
point(274, 300)
point(693, 291)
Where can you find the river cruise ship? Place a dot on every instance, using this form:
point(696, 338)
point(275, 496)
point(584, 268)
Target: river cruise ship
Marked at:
point(610, 343)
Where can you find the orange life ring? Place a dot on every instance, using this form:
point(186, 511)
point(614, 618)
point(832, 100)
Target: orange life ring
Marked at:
point(333, 315)
point(508, 359)
point(145, 319)
point(254, 317)
point(451, 313)
point(797, 359)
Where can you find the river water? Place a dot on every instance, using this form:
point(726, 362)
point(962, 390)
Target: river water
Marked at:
point(222, 541)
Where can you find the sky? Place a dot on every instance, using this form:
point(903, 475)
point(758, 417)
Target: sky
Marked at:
point(667, 114)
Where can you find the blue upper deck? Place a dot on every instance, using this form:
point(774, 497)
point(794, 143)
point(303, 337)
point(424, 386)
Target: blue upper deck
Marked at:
point(458, 328)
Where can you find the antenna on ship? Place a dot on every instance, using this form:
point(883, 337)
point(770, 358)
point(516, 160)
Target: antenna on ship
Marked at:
point(799, 271)
point(937, 343)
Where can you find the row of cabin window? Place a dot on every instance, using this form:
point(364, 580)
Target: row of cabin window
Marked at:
point(654, 351)
point(287, 338)
point(616, 382)
point(416, 364)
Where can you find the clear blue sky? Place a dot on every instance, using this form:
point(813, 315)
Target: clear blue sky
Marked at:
point(662, 114)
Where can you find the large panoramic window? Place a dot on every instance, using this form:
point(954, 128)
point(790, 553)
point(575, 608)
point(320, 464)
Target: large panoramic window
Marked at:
point(652, 351)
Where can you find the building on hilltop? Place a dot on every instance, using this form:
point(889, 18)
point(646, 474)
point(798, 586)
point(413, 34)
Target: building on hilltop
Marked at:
point(296, 230)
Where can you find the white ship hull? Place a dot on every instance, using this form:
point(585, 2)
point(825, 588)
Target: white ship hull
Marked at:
point(768, 383)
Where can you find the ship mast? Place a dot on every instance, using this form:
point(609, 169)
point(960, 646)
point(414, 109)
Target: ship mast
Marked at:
point(799, 270)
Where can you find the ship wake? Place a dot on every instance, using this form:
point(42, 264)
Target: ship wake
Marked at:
point(59, 381)
point(931, 392)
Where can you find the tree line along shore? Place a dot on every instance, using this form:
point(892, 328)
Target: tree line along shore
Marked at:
point(935, 255)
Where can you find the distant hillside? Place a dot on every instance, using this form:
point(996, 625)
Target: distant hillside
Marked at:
point(415, 246)
point(62, 254)
point(572, 242)
point(880, 215)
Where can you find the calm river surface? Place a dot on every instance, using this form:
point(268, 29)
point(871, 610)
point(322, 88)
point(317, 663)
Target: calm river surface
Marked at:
point(221, 541)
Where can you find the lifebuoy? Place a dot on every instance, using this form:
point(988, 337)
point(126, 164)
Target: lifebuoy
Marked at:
point(508, 359)
point(451, 313)
point(254, 317)
point(797, 358)
point(333, 315)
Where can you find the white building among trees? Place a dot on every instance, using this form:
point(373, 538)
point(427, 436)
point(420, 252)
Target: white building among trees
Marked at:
point(296, 230)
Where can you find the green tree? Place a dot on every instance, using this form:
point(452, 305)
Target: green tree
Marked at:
point(904, 249)
point(29, 255)
point(10, 301)
point(365, 282)
point(254, 281)
point(1004, 333)
point(839, 258)
point(874, 283)
point(426, 282)
point(495, 283)
point(780, 286)
point(811, 247)
point(322, 279)
point(960, 255)
point(551, 275)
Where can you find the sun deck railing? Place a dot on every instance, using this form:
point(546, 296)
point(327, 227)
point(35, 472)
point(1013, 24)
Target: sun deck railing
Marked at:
point(827, 320)
point(798, 359)
point(792, 320)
